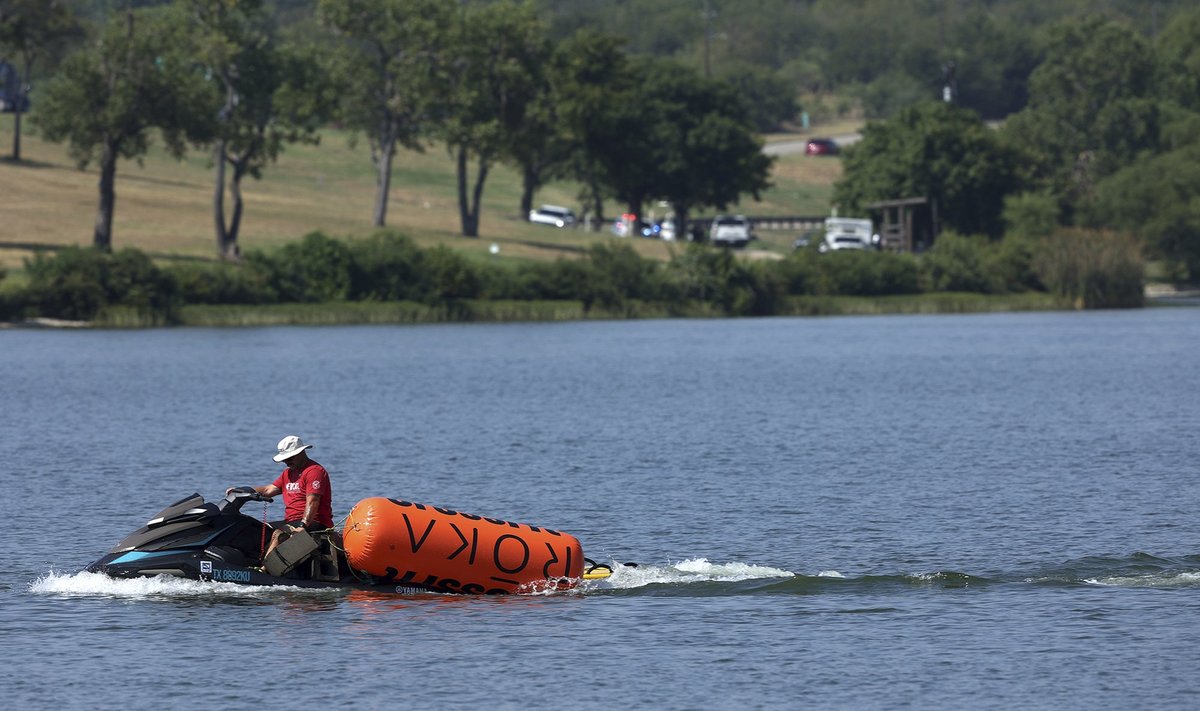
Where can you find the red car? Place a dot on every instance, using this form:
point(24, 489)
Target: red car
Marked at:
point(821, 147)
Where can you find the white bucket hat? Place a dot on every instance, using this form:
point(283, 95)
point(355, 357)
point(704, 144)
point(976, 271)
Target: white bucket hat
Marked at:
point(289, 447)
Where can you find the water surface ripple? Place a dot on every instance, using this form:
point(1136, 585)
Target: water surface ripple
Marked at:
point(930, 511)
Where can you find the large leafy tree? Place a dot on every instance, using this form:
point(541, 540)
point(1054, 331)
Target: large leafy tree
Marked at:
point(1159, 199)
point(592, 83)
point(1178, 60)
point(1090, 109)
point(937, 151)
point(655, 129)
point(32, 29)
point(388, 73)
point(702, 145)
point(107, 99)
point(535, 141)
point(271, 95)
point(489, 93)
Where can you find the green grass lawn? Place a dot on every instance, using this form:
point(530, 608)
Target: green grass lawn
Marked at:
point(164, 206)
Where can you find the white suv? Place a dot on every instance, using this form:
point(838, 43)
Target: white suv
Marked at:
point(552, 215)
point(730, 230)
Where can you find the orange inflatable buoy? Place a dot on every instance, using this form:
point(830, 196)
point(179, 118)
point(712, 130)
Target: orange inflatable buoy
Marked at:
point(435, 548)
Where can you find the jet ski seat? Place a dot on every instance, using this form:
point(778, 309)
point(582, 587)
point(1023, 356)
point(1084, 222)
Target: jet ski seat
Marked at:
point(325, 557)
point(289, 554)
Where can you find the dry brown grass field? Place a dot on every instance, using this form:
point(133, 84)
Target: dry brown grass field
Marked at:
point(164, 206)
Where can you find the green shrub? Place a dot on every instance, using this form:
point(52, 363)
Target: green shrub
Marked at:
point(249, 282)
point(615, 273)
point(1092, 268)
point(317, 268)
point(752, 289)
point(77, 283)
point(135, 282)
point(560, 280)
point(698, 274)
point(447, 276)
point(958, 263)
point(387, 268)
point(800, 272)
point(856, 273)
point(1010, 264)
point(1031, 215)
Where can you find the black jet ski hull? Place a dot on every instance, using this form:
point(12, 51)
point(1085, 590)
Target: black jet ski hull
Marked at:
point(215, 542)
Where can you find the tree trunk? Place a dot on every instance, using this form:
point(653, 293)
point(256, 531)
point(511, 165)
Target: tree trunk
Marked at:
point(21, 97)
point(17, 137)
point(232, 252)
point(468, 206)
point(681, 222)
point(383, 178)
point(478, 195)
point(598, 203)
point(529, 184)
point(219, 199)
point(464, 211)
point(102, 235)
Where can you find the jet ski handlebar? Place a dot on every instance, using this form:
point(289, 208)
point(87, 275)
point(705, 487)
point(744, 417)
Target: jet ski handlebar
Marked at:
point(242, 494)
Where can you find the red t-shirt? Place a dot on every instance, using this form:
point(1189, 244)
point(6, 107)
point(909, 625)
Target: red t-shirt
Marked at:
point(297, 486)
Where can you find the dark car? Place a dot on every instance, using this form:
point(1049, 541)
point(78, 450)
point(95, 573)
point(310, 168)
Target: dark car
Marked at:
point(821, 147)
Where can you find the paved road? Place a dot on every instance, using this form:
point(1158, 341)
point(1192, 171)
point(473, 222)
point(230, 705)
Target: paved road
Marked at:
point(779, 148)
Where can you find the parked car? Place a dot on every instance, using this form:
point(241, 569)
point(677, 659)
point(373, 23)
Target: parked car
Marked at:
point(847, 233)
point(730, 231)
point(806, 240)
point(552, 215)
point(821, 147)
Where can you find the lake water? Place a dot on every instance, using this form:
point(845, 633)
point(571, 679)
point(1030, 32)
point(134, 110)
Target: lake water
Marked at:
point(992, 511)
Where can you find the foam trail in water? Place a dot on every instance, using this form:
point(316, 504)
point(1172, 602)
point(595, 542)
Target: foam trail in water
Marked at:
point(1160, 580)
point(84, 583)
point(693, 570)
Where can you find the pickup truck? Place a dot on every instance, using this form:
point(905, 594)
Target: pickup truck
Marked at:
point(730, 231)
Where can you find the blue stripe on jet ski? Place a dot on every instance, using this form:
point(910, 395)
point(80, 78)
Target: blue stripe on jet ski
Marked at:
point(132, 556)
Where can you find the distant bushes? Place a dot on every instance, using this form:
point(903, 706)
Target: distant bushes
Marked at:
point(79, 283)
point(1093, 269)
point(1087, 269)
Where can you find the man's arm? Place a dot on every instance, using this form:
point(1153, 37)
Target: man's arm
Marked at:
point(311, 503)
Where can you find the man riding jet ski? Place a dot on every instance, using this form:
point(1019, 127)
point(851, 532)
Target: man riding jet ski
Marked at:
point(206, 541)
point(201, 540)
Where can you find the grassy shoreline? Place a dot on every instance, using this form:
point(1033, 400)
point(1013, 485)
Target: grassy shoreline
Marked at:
point(483, 311)
point(164, 206)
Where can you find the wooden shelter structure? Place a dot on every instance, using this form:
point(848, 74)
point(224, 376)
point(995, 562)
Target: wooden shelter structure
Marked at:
point(906, 224)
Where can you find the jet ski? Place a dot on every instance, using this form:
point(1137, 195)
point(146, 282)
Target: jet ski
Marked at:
point(216, 542)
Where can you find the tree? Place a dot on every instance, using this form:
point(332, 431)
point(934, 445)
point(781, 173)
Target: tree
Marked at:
point(1090, 108)
point(703, 149)
point(272, 95)
point(32, 28)
point(767, 99)
point(108, 97)
point(489, 93)
point(1178, 60)
point(1157, 198)
point(591, 84)
point(387, 73)
point(534, 139)
point(937, 151)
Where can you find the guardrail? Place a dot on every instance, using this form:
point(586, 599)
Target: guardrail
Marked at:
point(774, 222)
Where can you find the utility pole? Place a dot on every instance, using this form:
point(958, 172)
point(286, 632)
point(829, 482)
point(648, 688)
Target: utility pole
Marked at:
point(708, 16)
